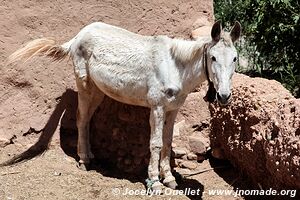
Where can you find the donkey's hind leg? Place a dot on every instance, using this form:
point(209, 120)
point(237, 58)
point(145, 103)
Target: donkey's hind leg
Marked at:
point(89, 97)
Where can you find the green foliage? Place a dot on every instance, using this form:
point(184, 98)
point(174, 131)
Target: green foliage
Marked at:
point(272, 35)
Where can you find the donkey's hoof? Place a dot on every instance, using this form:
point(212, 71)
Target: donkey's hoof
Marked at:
point(170, 182)
point(157, 188)
point(83, 166)
point(173, 185)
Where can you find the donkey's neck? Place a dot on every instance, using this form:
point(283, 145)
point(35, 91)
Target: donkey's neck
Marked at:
point(189, 59)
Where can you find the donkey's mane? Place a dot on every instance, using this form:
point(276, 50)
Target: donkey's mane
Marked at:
point(226, 39)
point(185, 51)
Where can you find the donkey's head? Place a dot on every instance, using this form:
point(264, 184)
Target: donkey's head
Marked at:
point(221, 59)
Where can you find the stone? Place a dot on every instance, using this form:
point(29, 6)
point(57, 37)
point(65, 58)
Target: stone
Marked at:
point(174, 145)
point(188, 164)
point(200, 158)
point(4, 142)
point(218, 153)
point(192, 156)
point(178, 162)
point(177, 127)
point(184, 171)
point(178, 152)
point(197, 145)
point(184, 157)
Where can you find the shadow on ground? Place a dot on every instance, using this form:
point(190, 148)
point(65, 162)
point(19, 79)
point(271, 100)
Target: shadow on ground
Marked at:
point(65, 113)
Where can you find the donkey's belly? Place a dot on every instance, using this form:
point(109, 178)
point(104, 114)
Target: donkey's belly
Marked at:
point(121, 96)
point(126, 86)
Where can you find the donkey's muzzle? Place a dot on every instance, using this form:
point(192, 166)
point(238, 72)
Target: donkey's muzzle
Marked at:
point(223, 99)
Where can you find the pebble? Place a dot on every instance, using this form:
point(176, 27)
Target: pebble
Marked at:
point(57, 173)
point(178, 162)
point(184, 171)
point(197, 145)
point(177, 127)
point(192, 156)
point(178, 152)
point(4, 142)
point(200, 158)
point(218, 153)
point(188, 164)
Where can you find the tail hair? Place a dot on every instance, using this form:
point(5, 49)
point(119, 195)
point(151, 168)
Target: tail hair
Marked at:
point(40, 47)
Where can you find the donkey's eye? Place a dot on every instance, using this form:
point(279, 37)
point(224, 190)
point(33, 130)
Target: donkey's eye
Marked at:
point(213, 58)
point(234, 59)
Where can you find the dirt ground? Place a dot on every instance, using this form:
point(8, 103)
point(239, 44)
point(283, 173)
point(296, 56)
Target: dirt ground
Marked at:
point(55, 176)
point(30, 93)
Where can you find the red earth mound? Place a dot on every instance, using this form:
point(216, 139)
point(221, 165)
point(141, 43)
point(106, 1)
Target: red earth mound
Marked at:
point(260, 132)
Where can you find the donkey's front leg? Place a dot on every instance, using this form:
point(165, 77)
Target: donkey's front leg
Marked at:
point(169, 179)
point(157, 118)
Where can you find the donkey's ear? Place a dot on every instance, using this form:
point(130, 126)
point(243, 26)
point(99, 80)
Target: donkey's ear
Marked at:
point(216, 31)
point(235, 31)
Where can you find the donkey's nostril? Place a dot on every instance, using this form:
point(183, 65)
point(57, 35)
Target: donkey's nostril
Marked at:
point(223, 98)
point(228, 96)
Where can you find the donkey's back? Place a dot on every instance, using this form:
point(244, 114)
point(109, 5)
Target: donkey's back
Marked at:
point(122, 64)
point(114, 45)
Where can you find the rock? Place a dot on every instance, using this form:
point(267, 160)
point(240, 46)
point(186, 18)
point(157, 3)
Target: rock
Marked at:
point(178, 152)
point(184, 171)
point(184, 157)
point(201, 32)
point(177, 162)
point(174, 145)
point(200, 158)
point(4, 142)
point(188, 164)
point(197, 145)
point(177, 127)
point(57, 173)
point(218, 153)
point(192, 156)
point(205, 140)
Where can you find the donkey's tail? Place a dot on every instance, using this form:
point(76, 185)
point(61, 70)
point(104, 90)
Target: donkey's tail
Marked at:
point(41, 47)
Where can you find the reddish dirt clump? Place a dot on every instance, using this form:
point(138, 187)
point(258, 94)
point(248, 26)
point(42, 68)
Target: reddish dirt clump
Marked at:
point(260, 131)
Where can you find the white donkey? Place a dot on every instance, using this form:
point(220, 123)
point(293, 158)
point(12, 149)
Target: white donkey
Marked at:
point(152, 71)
